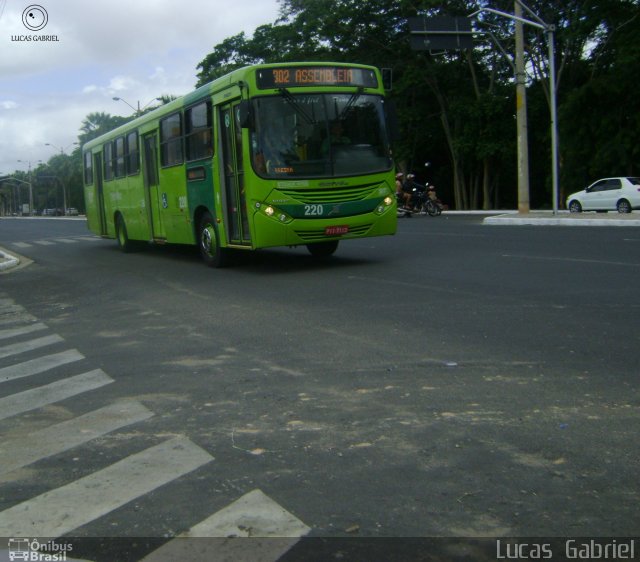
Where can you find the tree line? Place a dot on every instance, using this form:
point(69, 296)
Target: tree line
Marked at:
point(456, 110)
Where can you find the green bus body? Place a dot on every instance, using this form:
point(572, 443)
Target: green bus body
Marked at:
point(269, 155)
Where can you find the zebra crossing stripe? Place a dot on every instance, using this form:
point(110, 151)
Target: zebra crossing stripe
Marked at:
point(13, 332)
point(24, 450)
point(51, 393)
point(253, 515)
point(64, 509)
point(22, 347)
point(11, 309)
point(39, 365)
point(19, 317)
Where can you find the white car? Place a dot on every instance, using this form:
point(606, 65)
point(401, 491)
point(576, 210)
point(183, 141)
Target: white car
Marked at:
point(609, 194)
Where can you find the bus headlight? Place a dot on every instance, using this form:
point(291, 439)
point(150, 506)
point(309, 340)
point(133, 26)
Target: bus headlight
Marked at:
point(388, 200)
point(269, 211)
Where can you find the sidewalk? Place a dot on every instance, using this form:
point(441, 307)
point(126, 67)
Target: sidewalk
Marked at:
point(564, 218)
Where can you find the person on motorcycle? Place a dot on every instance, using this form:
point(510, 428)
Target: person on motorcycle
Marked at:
point(411, 189)
point(399, 177)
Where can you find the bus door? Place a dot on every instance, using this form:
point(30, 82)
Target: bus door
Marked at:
point(102, 218)
point(152, 185)
point(232, 169)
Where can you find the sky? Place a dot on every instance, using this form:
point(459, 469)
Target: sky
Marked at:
point(137, 50)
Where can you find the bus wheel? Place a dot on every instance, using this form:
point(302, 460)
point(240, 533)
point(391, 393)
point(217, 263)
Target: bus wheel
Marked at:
point(210, 250)
point(322, 249)
point(121, 234)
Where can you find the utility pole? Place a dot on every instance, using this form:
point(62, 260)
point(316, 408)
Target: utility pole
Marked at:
point(549, 29)
point(521, 115)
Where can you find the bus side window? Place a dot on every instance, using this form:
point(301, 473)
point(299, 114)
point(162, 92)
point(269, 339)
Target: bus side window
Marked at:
point(171, 140)
point(88, 168)
point(199, 138)
point(133, 154)
point(108, 161)
point(119, 157)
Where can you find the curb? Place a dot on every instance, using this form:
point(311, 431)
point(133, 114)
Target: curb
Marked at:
point(563, 219)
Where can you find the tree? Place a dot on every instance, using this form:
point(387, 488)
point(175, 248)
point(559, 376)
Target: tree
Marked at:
point(96, 124)
point(456, 110)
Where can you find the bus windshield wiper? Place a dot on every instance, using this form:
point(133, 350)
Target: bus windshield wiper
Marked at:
point(353, 99)
point(291, 100)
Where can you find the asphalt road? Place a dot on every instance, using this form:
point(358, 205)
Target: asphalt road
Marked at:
point(457, 379)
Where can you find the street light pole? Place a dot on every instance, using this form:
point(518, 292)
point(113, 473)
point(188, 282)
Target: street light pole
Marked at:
point(30, 186)
point(521, 116)
point(58, 147)
point(138, 111)
point(550, 31)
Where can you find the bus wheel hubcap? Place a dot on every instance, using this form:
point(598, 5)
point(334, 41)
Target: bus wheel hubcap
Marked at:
point(208, 237)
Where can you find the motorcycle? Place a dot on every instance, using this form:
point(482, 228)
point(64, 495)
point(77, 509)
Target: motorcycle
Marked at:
point(425, 205)
point(421, 203)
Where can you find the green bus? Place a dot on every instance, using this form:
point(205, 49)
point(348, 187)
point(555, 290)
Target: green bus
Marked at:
point(269, 155)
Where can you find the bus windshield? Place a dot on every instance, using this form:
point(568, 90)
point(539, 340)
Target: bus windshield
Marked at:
point(319, 135)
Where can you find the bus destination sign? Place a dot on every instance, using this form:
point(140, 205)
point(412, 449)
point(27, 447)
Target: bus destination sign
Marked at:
point(309, 76)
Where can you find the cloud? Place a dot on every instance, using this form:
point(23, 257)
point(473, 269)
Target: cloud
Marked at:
point(133, 50)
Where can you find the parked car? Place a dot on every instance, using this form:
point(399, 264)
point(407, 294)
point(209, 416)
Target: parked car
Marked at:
point(72, 212)
point(609, 194)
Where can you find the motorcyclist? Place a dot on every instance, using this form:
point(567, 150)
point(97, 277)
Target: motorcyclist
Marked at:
point(411, 189)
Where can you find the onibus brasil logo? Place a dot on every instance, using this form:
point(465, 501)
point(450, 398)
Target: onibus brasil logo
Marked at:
point(32, 550)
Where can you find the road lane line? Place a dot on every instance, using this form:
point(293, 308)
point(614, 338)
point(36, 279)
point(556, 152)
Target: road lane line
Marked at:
point(23, 347)
point(273, 530)
point(39, 365)
point(64, 509)
point(49, 394)
point(13, 332)
point(21, 451)
point(571, 260)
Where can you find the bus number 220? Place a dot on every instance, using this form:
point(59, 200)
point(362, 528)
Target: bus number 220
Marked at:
point(313, 210)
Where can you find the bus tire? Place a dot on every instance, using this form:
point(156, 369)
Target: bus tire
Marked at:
point(323, 249)
point(209, 242)
point(124, 243)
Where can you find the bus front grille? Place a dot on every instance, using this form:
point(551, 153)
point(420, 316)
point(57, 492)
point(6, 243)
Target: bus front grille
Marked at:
point(331, 194)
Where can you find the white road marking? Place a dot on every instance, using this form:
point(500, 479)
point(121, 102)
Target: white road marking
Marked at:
point(20, 451)
point(23, 347)
point(18, 317)
point(39, 365)
point(570, 260)
point(273, 530)
point(64, 509)
point(13, 332)
point(51, 393)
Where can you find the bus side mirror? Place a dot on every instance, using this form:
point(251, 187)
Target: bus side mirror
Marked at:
point(245, 114)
